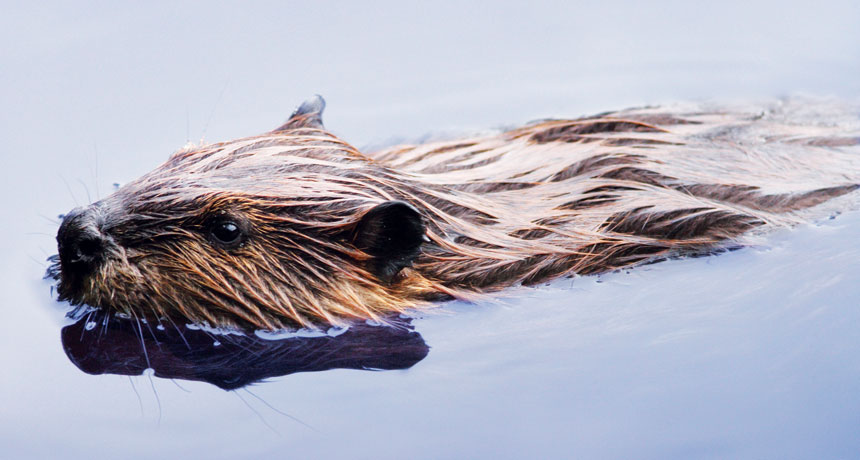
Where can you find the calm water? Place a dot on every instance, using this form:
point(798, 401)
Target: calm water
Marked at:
point(750, 354)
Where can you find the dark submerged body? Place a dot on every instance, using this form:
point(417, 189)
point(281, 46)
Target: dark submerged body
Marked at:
point(101, 343)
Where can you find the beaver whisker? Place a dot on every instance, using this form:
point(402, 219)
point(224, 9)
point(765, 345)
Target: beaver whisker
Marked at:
point(69, 189)
point(257, 413)
point(180, 386)
point(155, 393)
point(89, 317)
point(266, 403)
point(178, 331)
point(86, 190)
point(142, 340)
point(105, 321)
point(137, 393)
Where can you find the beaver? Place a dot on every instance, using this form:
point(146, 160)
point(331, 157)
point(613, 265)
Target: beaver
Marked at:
point(297, 228)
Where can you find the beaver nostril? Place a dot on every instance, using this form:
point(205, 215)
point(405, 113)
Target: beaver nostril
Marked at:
point(89, 247)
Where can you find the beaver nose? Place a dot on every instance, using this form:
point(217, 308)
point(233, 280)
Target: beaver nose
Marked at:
point(79, 242)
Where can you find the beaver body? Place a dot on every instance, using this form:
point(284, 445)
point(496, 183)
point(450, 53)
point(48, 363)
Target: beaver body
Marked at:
point(298, 228)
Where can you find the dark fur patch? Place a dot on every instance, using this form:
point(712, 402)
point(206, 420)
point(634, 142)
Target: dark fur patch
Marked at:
point(531, 233)
point(592, 164)
point(443, 168)
point(587, 202)
point(443, 149)
point(596, 196)
point(682, 224)
point(632, 174)
point(634, 141)
point(579, 131)
point(752, 198)
point(831, 141)
point(661, 119)
point(491, 187)
point(468, 241)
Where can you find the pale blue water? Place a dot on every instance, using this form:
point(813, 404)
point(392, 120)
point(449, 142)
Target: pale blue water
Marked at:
point(750, 354)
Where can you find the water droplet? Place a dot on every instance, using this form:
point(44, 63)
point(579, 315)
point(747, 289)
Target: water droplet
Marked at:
point(336, 331)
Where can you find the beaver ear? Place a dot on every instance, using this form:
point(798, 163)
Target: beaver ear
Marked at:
point(392, 233)
point(308, 115)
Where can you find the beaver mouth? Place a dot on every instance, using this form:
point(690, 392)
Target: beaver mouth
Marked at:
point(68, 283)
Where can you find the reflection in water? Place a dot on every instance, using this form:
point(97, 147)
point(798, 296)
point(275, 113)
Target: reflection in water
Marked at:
point(106, 344)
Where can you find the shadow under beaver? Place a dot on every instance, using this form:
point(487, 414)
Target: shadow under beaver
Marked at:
point(100, 343)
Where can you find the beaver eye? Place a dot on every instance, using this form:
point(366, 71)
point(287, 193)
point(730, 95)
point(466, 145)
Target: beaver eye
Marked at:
point(226, 232)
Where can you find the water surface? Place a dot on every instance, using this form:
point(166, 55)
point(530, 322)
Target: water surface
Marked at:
point(750, 354)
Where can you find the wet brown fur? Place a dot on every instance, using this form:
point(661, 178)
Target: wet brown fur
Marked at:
point(521, 207)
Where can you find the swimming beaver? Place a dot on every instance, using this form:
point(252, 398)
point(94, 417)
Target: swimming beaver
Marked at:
point(295, 227)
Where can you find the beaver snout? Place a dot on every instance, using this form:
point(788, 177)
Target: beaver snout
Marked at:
point(80, 243)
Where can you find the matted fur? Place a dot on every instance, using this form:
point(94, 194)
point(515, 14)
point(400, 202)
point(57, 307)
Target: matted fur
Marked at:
point(524, 206)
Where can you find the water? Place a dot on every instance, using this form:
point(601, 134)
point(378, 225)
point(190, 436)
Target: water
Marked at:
point(750, 354)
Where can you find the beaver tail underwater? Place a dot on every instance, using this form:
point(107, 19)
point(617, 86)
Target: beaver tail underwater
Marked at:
point(297, 228)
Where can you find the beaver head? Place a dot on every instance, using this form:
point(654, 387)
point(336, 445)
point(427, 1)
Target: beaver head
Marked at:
point(288, 228)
